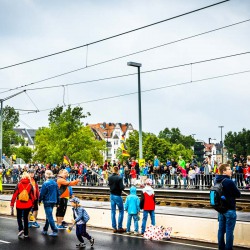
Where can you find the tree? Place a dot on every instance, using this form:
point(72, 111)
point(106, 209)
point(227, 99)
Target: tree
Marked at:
point(67, 135)
point(174, 136)
point(10, 137)
point(24, 153)
point(153, 145)
point(238, 143)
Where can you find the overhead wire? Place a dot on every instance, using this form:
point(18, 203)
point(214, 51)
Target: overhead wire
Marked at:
point(152, 89)
point(114, 36)
point(117, 58)
point(144, 72)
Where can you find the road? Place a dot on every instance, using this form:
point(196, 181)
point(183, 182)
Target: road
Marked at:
point(104, 240)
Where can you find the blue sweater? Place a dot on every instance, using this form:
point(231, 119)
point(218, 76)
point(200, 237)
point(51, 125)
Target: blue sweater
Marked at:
point(231, 192)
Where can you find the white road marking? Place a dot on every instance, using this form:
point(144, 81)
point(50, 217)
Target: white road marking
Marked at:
point(3, 241)
point(98, 231)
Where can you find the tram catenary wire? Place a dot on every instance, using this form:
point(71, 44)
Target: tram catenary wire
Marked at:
point(120, 57)
point(114, 36)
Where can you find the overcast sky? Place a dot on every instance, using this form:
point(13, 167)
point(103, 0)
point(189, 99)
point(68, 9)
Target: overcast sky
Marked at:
point(30, 29)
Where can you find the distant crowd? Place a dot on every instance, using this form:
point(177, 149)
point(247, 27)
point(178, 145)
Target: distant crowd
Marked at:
point(172, 173)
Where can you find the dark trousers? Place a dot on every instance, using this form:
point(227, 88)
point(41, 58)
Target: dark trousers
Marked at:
point(23, 213)
point(81, 232)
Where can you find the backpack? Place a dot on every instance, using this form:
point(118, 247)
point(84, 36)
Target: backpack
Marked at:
point(217, 198)
point(24, 195)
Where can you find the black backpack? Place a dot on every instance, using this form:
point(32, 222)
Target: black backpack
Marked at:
point(217, 198)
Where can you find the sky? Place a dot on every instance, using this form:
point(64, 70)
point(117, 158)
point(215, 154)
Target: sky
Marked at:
point(32, 29)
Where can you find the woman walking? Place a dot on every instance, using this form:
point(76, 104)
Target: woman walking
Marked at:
point(24, 198)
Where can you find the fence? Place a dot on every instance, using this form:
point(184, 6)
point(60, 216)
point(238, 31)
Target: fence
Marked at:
point(197, 181)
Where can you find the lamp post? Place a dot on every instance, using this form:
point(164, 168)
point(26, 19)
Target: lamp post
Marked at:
point(138, 66)
point(1, 123)
point(221, 141)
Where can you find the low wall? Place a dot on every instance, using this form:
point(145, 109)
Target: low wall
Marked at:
point(193, 228)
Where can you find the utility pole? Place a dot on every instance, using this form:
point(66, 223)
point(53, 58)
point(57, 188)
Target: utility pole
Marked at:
point(1, 123)
point(221, 142)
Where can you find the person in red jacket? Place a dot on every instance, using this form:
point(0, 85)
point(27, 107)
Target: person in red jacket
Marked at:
point(23, 207)
point(147, 203)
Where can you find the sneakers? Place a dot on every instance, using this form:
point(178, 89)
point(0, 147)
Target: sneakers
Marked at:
point(45, 232)
point(81, 245)
point(35, 224)
point(128, 233)
point(20, 233)
point(136, 233)
point(30, 224)
point(53, 234)
point(92, 241)
point(26, 236)
point(114, 230)
point(121, 230)
point(60, 227)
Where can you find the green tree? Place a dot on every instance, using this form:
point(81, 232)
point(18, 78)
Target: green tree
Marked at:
point(67, 135)
point(10, 137)
point(24, 153)
point(174, 135)
point(238, 143)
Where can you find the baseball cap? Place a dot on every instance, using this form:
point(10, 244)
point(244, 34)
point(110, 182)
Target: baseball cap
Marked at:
point(75, 200)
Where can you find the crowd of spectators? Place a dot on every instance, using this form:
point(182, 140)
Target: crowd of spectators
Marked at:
point(172, 173)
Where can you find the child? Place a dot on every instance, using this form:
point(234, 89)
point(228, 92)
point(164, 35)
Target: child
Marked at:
point(133, 176)
point(147, 203)
point(132, 206)
point(80, 219)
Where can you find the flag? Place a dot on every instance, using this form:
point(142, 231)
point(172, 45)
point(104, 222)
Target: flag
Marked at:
point(66, 160)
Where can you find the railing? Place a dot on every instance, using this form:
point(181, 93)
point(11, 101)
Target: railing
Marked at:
point(197, 181)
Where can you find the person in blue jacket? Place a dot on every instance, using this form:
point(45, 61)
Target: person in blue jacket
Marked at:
point(132, 206)
point(50, 196)
point(227, 220)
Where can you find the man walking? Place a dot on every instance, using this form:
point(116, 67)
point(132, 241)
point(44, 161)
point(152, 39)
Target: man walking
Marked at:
point(227, 220)
point(116, 187)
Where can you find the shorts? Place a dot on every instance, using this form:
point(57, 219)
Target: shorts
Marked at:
point(35, 206)
point(61, 209)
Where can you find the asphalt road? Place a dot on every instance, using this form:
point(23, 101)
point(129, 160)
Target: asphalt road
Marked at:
point(104, 239)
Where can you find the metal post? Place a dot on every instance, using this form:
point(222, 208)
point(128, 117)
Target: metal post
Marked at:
point(221, 142)
point(138, 65)
point(1, 133)
point(140, 120)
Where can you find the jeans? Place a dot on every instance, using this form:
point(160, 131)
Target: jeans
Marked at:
point(81, 232)
point(145, 217)
point(162, 179)
point(116, 201)
point(49, 218)
point(23, 213)
point(136, 226)
point(227, 223)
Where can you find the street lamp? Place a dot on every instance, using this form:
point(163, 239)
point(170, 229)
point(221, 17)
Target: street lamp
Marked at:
point(1, 122)
point(138, 66)
point(221, 141)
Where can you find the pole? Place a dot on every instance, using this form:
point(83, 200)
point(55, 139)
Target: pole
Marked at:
point(221, 142)
point(140, 120)
point(1, 133)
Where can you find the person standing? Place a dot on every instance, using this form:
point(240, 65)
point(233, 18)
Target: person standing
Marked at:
point(49, 195)
point(24, 198)
point(132, 206)
point(147, 203)
point(36, 197)
point(116, 187)
point(64, 196)
point(227, 220)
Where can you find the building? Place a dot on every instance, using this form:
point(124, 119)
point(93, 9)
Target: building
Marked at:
point(111, 133)
point(28, 135)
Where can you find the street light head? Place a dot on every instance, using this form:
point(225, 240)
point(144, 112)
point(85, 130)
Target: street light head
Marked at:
point(134, 64)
